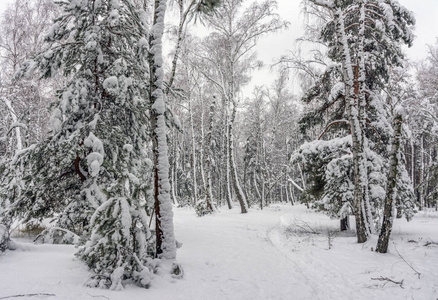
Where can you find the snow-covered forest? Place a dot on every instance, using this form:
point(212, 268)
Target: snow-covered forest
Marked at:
point(137, 153)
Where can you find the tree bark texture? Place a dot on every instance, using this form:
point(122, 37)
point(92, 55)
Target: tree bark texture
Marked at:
point(165, 240)
point(391, 190)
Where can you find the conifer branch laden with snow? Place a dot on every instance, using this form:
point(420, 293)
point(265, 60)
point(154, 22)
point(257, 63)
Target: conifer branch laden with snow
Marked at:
point(92, 170)
point(364, 37)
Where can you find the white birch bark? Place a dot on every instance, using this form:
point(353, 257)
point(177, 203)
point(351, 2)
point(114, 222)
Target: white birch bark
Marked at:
point(355, 126)
point(8, 103)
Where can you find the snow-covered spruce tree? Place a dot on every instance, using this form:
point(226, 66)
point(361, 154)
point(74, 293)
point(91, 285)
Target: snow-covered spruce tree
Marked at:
point(364, 37)
point(96, 151)
point(327, 161)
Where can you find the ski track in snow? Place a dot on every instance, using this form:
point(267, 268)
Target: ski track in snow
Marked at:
point(259, 255)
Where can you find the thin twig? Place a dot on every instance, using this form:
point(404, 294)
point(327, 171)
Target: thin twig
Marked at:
point(416, 272)
point(381, 278)
point(430, 243)
point(305, 227)
point(97, 296)
point(27, 295)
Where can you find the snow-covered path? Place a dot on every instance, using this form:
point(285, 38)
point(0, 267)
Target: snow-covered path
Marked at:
point(235, 259)
point(259, 255)
point(225, 256)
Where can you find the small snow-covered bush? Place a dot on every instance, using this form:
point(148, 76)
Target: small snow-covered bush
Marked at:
point(4, 238)
point(184, 202)
point(29, 230)
point(117, 250)
point(203, 208)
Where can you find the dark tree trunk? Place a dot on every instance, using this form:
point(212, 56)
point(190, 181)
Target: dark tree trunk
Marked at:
point(345, 223)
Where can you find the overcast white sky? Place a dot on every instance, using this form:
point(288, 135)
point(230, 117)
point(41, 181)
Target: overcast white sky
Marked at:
point(425, 11)
point(275, 45)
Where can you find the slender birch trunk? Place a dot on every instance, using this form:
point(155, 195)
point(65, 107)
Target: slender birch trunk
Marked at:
point(208, 155)
point(233, 168)
point(202, 144)
point(195, 184)
point(355, 127)
point(421, 183)
point(391, 190)
point(14, 118)
point(183, 17)
point(227, 160)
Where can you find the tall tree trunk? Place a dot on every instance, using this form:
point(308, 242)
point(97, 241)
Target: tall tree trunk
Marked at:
point(360, 77)
point(227, 161)
point(292, 194)
point(356, 132)
point(421, 183)
point(202, 143)
point(195, 184)
point(391, 192)
point(345, 223)
point(233, 168)
point(262, 199)
point(165, 239)
point(174, 168)
point(413, 163)
point(256, 187)
point(208, 155)
point(179, 37)
point(14, 118)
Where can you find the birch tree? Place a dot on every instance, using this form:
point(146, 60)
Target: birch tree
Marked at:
point(23, 104)
point(365, 38)
point(229, 50)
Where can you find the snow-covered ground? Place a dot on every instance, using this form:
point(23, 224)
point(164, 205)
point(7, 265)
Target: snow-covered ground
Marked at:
point(269, 254)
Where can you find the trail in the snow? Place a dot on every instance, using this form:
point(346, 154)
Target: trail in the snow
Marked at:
point(259, 255)
point(236, 260)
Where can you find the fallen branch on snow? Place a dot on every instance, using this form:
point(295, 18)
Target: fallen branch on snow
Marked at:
point(416, 272)
point(27, 295)
point(97, 296)
point(381, 278)
point(430, 243)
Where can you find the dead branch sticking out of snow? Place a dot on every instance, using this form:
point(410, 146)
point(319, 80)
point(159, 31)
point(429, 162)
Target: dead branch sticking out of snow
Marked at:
point(97, 296)
point(381, 278)
point(330, 237)
point(416, 272)
point(27, 295)
point(300, 226)
point(429, 243)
